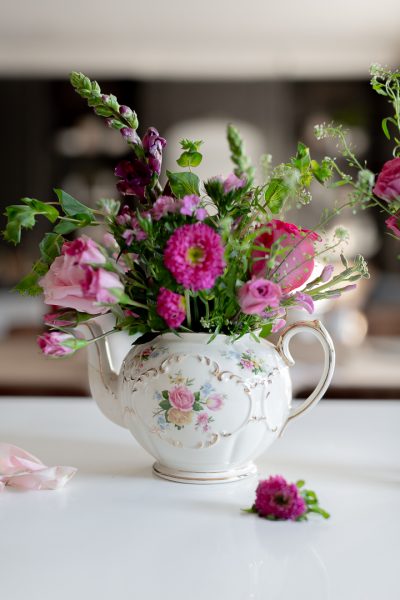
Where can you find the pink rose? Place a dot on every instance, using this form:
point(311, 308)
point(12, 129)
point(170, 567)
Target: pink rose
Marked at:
point(181, 398)
point(295, 266)
point(215, 402)
point(387, 185)
point(258, 294)
point(51, 344)
point(393, 223)
point(72, 283)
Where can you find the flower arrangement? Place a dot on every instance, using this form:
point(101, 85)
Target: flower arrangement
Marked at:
point(217, 256)
point(278, 500)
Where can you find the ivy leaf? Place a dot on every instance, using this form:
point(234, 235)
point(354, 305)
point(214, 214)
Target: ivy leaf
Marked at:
point(183, 184)
point(24, 217)
point(276, 194)
point(71, 206)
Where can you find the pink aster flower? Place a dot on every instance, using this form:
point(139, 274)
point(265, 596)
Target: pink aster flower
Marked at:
point(202, 422)
point(276, 498)
point(171, 307)
point(194, 256)
point(190, 207)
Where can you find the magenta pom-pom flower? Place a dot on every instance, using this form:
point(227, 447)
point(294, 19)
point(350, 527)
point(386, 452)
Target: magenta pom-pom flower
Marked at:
point(194, 254)
point(278, 500)
point(171, 307)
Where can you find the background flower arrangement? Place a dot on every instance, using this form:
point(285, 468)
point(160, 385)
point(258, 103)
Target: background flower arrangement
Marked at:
point(215, 256)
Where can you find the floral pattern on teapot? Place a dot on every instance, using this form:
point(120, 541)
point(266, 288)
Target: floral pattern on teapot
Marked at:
point(247, 361)
point(181, 406)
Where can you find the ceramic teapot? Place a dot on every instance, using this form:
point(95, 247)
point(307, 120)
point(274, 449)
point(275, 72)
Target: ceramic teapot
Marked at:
point(204, 410)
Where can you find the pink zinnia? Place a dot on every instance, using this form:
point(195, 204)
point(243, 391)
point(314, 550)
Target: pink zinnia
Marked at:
point(171, 307)
point(194, 256)
point(277, 498)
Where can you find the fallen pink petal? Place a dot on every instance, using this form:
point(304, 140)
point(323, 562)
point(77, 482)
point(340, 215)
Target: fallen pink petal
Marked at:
point(20, 469)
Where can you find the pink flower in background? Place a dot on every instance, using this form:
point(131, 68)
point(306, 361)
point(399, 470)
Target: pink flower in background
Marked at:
point(387, 185)
point(258, 294)
point(233, 183)
point(296, 265)
point(164, 205)
point(393, 223)
point(194, 256)
point(134, 176)
point(327, 273)
point(246, 363)
point(277, 498)
point(171, 307)
point(67, 283)
point(51, 344)
point(181, 398)
point(215, 402)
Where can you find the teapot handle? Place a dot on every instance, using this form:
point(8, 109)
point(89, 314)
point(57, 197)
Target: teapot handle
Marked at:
point(324, 338)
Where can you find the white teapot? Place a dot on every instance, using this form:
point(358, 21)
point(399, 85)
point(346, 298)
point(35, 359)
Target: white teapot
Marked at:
point(203, 410)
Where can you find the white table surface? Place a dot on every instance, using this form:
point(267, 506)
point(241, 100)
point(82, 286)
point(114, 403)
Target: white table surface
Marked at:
point(118, 532)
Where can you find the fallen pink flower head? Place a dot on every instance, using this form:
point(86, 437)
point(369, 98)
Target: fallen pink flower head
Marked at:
point(277, 498)
point(20, 469)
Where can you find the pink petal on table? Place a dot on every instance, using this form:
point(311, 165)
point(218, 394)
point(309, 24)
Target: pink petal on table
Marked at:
point(49, 478)
point(14, 460)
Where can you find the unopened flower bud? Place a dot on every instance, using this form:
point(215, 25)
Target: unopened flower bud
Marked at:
point(327, 273)
point(125, 111)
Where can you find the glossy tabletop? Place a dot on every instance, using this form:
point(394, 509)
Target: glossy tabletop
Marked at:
point(116, 531)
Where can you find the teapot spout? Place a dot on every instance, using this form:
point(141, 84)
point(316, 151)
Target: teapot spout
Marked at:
point(105, 358)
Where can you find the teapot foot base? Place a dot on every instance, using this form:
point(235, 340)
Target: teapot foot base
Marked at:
point(204, 477)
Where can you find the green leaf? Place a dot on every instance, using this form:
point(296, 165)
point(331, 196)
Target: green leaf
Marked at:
point(75, 343)
point(190, 159)
point(29, 285)
point(19, 217)
point(165, 395)
point(191, 145)
point(197, 396)
point(42, 208)
point(300, 483)
point(197, 406)
point(183, 184)
point(165, 404)
point(50, 247)
point(276, 194)
point(265, 330)
point(65, 227)
point(71, 206)
point(385, 127)
point(109, 206)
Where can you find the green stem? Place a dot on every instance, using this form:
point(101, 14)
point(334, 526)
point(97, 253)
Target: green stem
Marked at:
point(187, 304)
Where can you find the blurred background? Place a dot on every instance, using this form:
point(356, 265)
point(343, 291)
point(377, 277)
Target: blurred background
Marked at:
point(273, 69)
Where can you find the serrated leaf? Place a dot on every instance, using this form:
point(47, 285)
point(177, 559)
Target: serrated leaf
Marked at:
point(70, 205)
point(19, 217)
point(42, 208)
point(50, 247)
point(183, 184)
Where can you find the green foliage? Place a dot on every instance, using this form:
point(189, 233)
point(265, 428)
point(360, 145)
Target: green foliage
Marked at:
point(50, 248)
point(183, 184)
point(243, 166)
point(275, 194)
point(70, 206)
point(24, 217)
point(191, 156)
